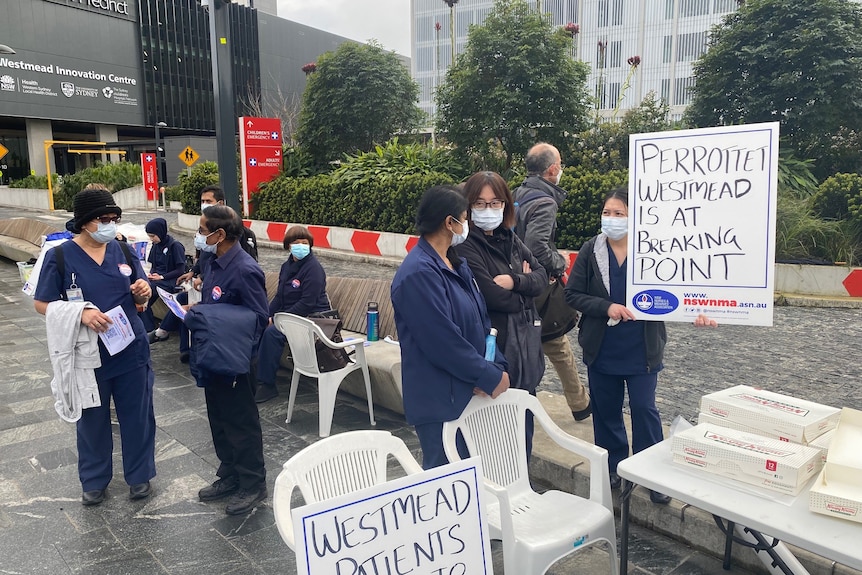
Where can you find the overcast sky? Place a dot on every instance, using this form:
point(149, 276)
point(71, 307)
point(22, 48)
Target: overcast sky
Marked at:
point(387, 21)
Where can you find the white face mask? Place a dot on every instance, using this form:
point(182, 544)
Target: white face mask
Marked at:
point(559, 176)
point(458, 239)
point(615, 228)
point(488, 219)
point(204, 207)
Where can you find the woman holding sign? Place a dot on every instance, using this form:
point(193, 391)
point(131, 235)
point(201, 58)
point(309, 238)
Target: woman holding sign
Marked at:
point(619, 352)
point(92, 275)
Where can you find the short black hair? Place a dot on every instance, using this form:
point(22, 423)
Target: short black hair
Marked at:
point(297, 232)
point(437, 204)
point(221, 217)
point(621, 194)
point(217, 192)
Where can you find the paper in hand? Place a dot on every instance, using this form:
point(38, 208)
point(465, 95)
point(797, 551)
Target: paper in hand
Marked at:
point(120, 333)
point(172, 303)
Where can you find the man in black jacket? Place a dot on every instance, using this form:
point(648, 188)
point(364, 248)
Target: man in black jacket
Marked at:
point(537, 201)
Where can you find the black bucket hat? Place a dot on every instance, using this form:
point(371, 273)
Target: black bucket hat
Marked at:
point(90, 204)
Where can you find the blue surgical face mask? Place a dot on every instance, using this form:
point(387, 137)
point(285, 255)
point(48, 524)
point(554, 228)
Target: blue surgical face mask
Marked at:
point(300, 251)
point(487, 219)
point(104, 233)
point(202, 245)
point(615, 228)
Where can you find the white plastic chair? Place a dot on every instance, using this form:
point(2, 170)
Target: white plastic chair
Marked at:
point(334, 466)
point(536, 529)
point(301, 334)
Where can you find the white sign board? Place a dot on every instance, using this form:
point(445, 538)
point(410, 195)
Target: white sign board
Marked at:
point(702, 207)
point(430, 523)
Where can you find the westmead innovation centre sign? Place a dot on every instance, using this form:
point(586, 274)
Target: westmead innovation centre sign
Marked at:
point(68, 76)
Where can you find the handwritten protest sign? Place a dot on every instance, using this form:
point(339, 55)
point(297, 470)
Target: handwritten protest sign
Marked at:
point(701, 237)
point(430, 523)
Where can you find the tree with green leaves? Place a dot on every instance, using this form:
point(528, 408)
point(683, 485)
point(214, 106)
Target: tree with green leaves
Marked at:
point(515, 84)
point(799, 63)
point(357, 96)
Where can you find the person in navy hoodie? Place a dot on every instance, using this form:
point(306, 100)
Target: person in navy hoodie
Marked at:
point(442, 322)
point(168, 262)
point(301, 291)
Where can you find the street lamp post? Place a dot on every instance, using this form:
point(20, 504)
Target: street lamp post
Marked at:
point(158, 161)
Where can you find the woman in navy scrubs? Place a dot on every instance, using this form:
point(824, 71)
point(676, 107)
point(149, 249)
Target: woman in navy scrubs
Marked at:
point(621, 353)
point(105, 278)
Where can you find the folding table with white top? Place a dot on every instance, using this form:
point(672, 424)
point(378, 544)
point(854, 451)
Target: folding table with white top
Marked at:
point(762, 511)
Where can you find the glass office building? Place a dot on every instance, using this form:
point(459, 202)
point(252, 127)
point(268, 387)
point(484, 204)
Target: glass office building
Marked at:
point(667, 35)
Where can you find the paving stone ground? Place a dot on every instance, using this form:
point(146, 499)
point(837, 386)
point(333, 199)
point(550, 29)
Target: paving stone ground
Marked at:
point(44, 529)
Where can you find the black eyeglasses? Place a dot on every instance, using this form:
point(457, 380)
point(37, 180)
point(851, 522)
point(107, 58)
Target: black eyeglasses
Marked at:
point(108, 219)
point(482, 204)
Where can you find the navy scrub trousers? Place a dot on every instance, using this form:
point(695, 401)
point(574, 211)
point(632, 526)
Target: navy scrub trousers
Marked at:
point(133, 401)
point(607, 393)
point(271, 348)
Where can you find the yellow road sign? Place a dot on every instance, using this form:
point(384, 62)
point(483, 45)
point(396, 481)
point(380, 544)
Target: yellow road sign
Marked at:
point(189, 156)
point(3, 150)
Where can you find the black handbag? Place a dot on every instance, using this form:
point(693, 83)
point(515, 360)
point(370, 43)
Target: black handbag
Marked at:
point(329, 359)
point(558, 318)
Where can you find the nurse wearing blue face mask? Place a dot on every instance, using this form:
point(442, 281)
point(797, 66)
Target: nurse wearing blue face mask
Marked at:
point(620, 353)
point(96, 268)
point(301, 291)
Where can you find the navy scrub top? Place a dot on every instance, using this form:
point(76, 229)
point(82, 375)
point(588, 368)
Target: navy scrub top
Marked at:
point(623, 349)
point(106, 286)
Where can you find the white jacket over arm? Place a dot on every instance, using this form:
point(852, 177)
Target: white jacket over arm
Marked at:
point(74, 352)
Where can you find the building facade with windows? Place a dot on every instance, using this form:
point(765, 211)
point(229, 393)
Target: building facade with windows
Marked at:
point(111, 70)
point(667, 36)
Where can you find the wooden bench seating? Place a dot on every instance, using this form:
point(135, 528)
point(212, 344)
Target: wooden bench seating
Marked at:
point(21, 238)
point(350, 296)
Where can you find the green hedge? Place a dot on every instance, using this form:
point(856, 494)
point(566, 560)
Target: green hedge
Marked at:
point(115, 177)
point(190, 186)
point(35, 182)
point(381, 206)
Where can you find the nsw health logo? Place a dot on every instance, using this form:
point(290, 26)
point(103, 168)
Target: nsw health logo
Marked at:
point(655, 302)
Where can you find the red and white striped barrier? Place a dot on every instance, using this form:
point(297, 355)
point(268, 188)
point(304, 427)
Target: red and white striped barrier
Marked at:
point(828, 281)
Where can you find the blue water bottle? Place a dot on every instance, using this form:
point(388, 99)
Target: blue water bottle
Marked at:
point(491, 345)
point(371, 321)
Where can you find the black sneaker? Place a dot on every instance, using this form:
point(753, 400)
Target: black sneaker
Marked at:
point(244, 501)
point(220, 489)
point(616, 481)
point(265, 393)
point(584, 413)
point(153, 337)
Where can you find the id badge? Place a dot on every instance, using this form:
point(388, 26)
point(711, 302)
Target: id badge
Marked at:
point(537, 323)
point(74, 293)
